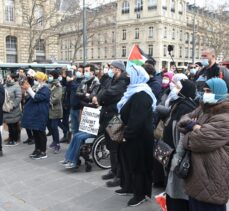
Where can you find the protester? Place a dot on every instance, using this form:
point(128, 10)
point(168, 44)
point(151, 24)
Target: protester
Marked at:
point(2, 99)
point(136, 109)
point(35, 114)
point(176, 199)
point(108, 99)
point(13, 117)
point(55, 109)
point(207, 137)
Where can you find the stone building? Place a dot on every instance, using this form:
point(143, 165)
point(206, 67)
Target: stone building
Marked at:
point(15, 34)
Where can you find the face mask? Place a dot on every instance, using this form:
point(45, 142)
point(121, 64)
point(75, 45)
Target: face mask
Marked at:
point(209, 98)
point(50, 79)
point(60, 78)
point(193, 71)
point(78, 74)
point(87, 75)
point(205, 62)
point(110, 73)
point(165, 81)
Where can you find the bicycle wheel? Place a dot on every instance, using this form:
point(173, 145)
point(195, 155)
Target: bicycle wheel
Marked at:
point(100, 153)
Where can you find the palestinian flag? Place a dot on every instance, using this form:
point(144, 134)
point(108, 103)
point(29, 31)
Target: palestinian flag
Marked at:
point(137, 56)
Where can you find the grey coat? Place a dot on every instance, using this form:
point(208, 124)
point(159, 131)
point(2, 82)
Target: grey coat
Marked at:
point(14, 91)
point(56, 108)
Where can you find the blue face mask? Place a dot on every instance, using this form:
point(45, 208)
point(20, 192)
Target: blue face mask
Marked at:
point(205, 62)
point(78, 74)
point(87, 75)
point(60, 78)
point(193, 71)
point(110, 73)
point(50, 79)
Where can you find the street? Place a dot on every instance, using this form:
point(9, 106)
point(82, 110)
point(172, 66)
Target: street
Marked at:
point(32, 185)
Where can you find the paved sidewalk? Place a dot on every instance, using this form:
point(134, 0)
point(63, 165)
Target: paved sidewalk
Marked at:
point(33, 185)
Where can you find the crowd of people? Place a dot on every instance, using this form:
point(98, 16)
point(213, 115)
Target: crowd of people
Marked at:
point(187, 111)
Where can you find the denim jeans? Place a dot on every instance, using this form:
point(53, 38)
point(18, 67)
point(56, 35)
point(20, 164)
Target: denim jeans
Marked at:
point(55, 132)
point(75, 115)
point(73, 151)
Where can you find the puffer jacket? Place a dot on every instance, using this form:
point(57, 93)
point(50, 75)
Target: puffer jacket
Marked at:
point(14, 91)
point(208, 180)
point(56, 109)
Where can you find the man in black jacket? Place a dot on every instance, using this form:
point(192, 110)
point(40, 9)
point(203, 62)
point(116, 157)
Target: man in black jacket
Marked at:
point(108, 99)
point(2, 98)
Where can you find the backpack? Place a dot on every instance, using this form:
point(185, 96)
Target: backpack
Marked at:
point(8, 104)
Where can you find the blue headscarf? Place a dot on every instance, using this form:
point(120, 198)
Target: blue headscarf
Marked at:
point(218, 87)
point(138, 82)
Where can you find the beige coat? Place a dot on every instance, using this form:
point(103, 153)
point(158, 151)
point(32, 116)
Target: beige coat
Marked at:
point(208, 180)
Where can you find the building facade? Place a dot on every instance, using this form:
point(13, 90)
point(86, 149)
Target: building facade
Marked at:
point(16, 35)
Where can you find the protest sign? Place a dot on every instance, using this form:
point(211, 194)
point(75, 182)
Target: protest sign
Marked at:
point(90, 120)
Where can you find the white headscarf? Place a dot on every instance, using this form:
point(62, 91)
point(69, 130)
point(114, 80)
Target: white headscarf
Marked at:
point(138, 82)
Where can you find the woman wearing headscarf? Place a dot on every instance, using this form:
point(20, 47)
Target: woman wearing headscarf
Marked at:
point(207, 137)
point(35, 114)
point(176, 199)
point(136, 110)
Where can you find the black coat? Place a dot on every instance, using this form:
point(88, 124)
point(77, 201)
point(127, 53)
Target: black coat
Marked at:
point(179, 108)
point(109, 96)
point(155, 83)
point(2, 99)
point(74, 100)
point(137, 116)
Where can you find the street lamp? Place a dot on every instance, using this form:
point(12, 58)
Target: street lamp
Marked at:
point(84, 33)
point(193, 34)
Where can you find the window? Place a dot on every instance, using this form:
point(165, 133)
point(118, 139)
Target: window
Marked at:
point(165, 32)
point(180, 52)
point(113, 37)
point(152, 4)
point(81, 53)
point(92, 53)
point(137, 33)
point(124, 34)
point(138, 5)
point(151, 50)
point(11, 49)
point(165, 50)
point(98, 52)
point(150, 32)
point(173, 34)
point(9, 10)
point(105, 52)
point(187, 37)
point(123, 51)
point(190, 54)
point(197, 53)
point(186, 52)
point(180, 8)
point(98, 38)
point(181, 35)
point(164, 4)
point(125, 7)
point(172, 2)
point(40, 50)
point(38, 15)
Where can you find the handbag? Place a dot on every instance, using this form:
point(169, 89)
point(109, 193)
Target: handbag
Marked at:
point(115, 129)
point(184, 164)
point(162, 152)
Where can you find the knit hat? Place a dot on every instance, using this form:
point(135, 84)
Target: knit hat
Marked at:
point(54, 73)
point(41, 76)
point(188, 88)
point(218, 87)
point(118, 64)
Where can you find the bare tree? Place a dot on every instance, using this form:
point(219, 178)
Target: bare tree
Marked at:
point(43, 19)
point(74, 24)
point(215, 28)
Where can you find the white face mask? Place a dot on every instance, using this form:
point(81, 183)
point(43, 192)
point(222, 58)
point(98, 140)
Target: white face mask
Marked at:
point(193, 71)
point(209, 98)
point(165, 81)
